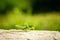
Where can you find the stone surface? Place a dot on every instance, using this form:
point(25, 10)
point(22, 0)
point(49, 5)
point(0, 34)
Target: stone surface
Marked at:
point(29, 35)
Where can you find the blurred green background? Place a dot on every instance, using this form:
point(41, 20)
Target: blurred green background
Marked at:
point(30, 14)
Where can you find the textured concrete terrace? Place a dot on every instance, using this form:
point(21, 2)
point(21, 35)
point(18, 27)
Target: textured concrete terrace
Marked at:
point(29, 35)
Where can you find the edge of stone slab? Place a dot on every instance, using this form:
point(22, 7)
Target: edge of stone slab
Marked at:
point(13, 30)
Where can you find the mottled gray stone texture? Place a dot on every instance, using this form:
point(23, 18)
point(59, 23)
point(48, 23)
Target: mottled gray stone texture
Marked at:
point(29, 35)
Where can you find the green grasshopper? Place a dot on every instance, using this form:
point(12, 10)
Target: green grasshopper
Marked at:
point(25, 27)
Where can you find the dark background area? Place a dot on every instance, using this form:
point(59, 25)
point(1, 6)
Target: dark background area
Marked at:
point(45, 6)
point(38, 6)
